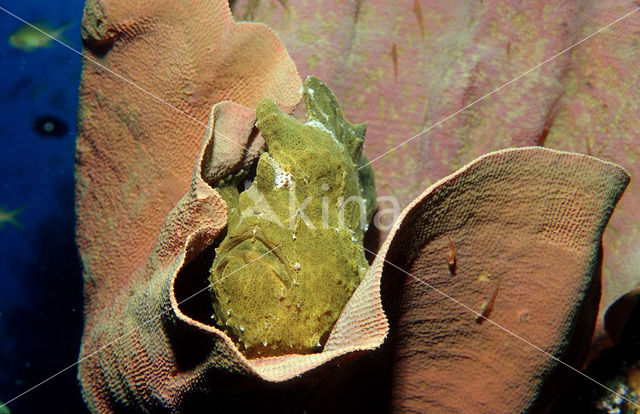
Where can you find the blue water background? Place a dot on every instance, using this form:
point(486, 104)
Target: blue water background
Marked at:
point(40, 276)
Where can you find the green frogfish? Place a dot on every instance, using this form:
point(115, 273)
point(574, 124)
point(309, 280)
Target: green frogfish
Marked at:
point(293, 250)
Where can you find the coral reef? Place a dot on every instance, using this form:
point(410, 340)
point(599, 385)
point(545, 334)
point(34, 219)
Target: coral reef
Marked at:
point(512, 222)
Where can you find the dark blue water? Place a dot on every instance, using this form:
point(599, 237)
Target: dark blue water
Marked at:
point(40, 276)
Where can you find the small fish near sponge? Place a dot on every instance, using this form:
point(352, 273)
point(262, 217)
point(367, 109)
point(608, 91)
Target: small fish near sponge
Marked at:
point(31, 37)
point(9, 216)
point(293, 252)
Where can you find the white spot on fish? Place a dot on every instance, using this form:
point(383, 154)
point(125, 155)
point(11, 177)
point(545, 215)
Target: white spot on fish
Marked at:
point(282, 178)
point(315, 124)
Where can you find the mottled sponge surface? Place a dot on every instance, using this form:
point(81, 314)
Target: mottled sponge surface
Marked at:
point(526, 226)
point(156, 68)
point(406, 67)
point(293, 253)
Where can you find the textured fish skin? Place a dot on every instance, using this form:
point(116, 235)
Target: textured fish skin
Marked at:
point(293, 252)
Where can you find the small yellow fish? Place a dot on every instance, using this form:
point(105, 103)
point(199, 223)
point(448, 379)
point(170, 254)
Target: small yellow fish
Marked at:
point(31, 37)
point(7, 216)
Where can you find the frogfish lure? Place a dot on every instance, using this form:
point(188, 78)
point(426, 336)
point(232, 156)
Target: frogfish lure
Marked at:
point(293, 250)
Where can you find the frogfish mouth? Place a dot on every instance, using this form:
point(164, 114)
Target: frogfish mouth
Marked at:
point(293, 250)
